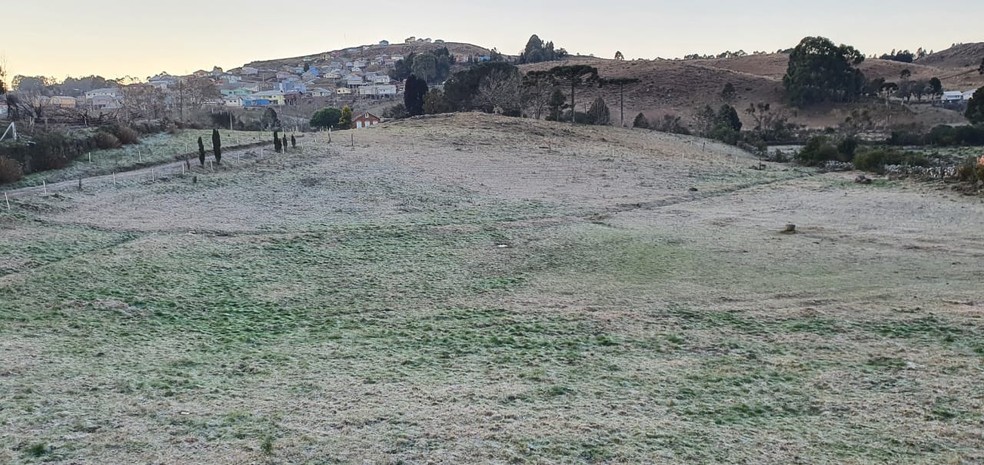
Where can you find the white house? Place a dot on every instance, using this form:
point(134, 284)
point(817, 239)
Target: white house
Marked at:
point(968, 95)
point(233, 101)
point(377, 90)
point(320, 92)
point(250, 71)
point(952, 96)
point(353, 80)
point(343, 91)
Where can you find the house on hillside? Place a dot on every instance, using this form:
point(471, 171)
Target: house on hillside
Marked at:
point(365, 120)
point(384, 43)
point(320, 92)
point(61, 102)
point(353, 80)
point(292, 86)
point(250, 71)
point(343, 91)
point(387, 90)
point(109, 98)
point(952, 96)
point(233, 101)
point(968, 95)
point(274, 97)
point(3, 109)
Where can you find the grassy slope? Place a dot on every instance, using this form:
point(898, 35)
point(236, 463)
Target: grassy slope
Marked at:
point(400, 331)
point(157, 148)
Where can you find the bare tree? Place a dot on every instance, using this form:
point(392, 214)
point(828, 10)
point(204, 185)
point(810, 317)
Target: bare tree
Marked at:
point(536, 93)
point(143, 101)
point(500, 92)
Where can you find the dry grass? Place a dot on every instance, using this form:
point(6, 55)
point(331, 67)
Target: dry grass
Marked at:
point(472, 289)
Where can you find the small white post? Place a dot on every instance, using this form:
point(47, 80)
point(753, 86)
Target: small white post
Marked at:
point(45, 186)
point(90, 157)
point(114, 178)
point(6, 200)
point(182, 169)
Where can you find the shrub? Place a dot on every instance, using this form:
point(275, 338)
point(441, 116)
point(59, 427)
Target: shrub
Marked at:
point(970, 171)
point(848, 147)
point(877, 160)
point(672, 124)
point(817, 151)
point(10, 171)
point(106, 141)
point(125, 134)
point(640, 121)
point(398, 111)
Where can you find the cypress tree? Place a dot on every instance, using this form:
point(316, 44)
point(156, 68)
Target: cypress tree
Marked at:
point(201, 151)
point(217, 146)
point(283, 143)
point(276, 142)
point(293, 141)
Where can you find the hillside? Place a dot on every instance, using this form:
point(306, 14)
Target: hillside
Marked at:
point(479, 289)
point(372, 51)
point(957, 57)
point(682, 87)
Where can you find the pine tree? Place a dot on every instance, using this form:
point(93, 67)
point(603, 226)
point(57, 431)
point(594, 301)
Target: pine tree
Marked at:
point(598, 113)
point(217, 146)
point(201, 151)
point(345, 122)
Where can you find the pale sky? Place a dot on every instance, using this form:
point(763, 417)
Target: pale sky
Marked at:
point(140, 38)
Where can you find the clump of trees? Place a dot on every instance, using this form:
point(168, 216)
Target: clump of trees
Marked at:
point(413, 95)
point(345, 121)
point(902, 56)
point(432, 67)
point(975, 107)
point(723, 125)
point(538, 51)
point(820, 71)
point(572, 76)
point(326, 118)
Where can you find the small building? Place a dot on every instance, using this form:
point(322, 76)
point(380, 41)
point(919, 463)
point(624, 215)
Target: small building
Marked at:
point(387, 90)
point(320, 92)
point(968, 95)
point(233, 101)
point(343, 91)
point(61, 102)
point(250, 71)
point(952, 96)
point(3, 109)
point(275, 97)
point(365, 120)
point(384, 43)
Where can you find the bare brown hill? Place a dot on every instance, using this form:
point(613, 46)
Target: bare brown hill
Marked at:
point(957, 57)
point(682, 87)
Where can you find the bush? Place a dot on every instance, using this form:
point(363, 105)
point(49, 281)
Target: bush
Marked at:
point(106, 141)
point(950, 136)
point(848, 147)
point(398, 111)
point(819, 150)
point(10, 171)
point(125, 134)
point(640, 121)
point(672, 124)
point(877, 160)
point(970, 171)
